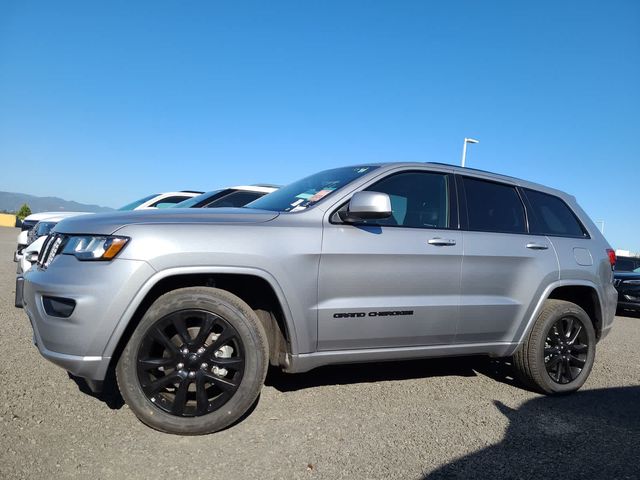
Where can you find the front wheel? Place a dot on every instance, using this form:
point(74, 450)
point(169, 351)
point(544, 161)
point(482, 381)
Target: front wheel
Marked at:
point(195, 363)
point(558, 354)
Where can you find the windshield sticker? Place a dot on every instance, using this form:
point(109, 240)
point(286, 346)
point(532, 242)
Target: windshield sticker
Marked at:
point(321, 194)
point(297, 202)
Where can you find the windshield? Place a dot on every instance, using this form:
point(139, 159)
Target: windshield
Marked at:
point(190, 202)
point(310, 190)
point(137, 203)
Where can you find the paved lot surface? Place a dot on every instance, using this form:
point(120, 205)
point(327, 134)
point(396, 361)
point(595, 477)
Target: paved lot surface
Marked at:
point(460, 418)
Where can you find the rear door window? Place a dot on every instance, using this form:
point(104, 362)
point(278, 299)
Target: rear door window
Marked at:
point(551, 216)
point(493, 207)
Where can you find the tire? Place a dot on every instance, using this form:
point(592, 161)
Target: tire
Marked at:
point(558, 354)
point(205, 338)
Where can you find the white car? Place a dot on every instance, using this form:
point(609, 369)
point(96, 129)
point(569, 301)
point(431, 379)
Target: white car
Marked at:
point(29, 222)
point(157, 200)
point(36, 236)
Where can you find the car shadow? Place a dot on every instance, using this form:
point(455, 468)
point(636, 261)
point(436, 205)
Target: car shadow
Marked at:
point(110, 394)
point(592, 434)
point(375, 372)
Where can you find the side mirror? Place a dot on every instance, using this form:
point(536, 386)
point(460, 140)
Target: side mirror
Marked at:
point(367, 206)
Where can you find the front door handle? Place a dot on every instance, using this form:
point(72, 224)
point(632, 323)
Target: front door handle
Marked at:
point(537, 246)
point(441, 242)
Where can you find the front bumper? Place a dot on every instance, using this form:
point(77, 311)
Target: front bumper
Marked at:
point(102, 292)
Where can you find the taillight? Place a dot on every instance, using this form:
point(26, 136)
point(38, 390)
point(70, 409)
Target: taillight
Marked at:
point(612, 257)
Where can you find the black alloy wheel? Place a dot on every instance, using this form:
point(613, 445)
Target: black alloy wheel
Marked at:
point(557, 354)
point(190, 362)
point(566, 349)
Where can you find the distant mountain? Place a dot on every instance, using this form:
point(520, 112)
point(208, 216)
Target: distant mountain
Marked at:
point(11, 202)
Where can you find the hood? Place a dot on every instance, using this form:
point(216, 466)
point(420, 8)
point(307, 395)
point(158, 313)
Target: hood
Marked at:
point(108, 223)
point(36, 217)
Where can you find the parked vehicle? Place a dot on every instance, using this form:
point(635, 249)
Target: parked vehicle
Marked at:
point(36, 236)
point(27, 225)
point(157, 200)
point(160, 200)
point(228, 197)
point(628, 286)
point(354, 264)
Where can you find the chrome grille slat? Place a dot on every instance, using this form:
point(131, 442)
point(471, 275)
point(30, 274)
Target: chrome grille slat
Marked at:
point(52, 247)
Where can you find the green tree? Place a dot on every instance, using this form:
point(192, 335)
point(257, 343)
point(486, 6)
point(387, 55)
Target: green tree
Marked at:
point(24, 212)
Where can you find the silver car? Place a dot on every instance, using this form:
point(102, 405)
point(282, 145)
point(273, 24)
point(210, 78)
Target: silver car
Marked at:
point(354, 264)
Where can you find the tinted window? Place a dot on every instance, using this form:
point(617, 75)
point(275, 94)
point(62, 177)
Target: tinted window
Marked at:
point(551, 216)
point(193, 201)
point(493, 207)
point(235, 199)
point(624, 264)
point(168, 202)
point(418, 199)
point(137, 203)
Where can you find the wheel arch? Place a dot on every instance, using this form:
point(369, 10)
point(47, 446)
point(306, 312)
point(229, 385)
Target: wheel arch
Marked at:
point(256, 287)
point(581, 292)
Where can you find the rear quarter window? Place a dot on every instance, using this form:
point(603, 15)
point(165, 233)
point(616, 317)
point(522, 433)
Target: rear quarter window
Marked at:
point(552, 216)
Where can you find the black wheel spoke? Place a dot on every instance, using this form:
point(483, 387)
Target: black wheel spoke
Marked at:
point(567, 331)
point(152, 363)
point(163, 382)
point(180, 400)
point(179, 322)
point(579, 348)
point(224, 337)
point(232, 362)
point(165, 341)
point(553, 362)
point(568, 373)
point(205, 329)
point(559, 372)
point(576, 362)
point(575, 335)
point(202, 400)
point(222, 383)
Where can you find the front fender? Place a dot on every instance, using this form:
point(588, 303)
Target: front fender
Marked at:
point(137, 300)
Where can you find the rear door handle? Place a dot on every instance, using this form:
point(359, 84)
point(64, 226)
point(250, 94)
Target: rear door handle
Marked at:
point(441, 242)
point(537, 246)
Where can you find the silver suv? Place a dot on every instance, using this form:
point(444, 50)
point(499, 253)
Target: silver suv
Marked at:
point(354, 264)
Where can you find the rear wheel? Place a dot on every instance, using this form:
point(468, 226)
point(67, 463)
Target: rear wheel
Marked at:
point(195, 363)
point(558, 354)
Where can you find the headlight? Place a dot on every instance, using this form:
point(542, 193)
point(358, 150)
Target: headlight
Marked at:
point(89, 247)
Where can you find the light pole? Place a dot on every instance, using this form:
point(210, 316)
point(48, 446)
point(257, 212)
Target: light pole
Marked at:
point(464, 148)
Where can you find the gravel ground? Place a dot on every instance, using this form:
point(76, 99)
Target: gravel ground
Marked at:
point(445, 418)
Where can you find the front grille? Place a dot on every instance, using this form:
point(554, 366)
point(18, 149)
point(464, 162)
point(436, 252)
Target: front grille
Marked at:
point(52, 246)
point(633, 298)
point(617, 282)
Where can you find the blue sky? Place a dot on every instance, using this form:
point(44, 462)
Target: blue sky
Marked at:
point(104, 102)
